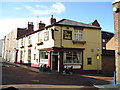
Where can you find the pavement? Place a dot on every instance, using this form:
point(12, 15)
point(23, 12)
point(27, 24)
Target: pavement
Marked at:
point(96, 87)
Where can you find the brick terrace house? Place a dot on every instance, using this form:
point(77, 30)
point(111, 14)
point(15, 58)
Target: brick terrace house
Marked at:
point(63, 43)
point(10, 42)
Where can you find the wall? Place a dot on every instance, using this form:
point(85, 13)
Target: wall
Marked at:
point(92, 48)
point(1, 45)
point(35, 47)
point(111, 44)
point(92, 37)
point(108, 62)
point(10, 45)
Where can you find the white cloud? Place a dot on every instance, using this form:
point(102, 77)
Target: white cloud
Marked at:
point(8, 25)
point(17, 8)
point(28, 7)
point(56, 8)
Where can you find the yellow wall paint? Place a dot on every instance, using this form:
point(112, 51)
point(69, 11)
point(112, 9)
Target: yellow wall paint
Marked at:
point(93, 41)
point(65, 43)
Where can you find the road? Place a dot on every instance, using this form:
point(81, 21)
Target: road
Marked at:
point(12, 75)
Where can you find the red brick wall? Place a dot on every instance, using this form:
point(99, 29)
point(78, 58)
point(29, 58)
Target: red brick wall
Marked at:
point(108, 65)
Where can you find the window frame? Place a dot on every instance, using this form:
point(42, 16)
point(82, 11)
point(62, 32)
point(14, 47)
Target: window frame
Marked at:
point(29, 39)
point(89, 61)
point(29, 54)
point(73, 61)
point(67, 34)
point(39, 37)
point(78, 35)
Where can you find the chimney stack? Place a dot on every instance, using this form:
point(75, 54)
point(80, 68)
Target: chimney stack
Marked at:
point(52, 20)
point(30, 26)
point(41, 25)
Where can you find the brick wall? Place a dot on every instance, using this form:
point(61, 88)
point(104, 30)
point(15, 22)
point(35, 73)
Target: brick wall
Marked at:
point(108, 62)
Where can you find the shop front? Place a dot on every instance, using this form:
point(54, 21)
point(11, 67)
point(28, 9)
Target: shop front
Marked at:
point(58, 58)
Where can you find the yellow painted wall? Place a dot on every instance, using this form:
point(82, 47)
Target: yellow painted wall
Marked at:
point(65, 43)
point(93, 41)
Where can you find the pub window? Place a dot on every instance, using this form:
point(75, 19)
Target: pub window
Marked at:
point(89, 61)
point(73, 57)
point(67, 34)
point(44, 55)
point(78, 35)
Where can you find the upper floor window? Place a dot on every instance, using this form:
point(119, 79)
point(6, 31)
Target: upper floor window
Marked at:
point(67, 34)
point(21, 42)
point(103, 40)
point(39, 37)
point(78, 35)
point(46, 36)
point(29, 40)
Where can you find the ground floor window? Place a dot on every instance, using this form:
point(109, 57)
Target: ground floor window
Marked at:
point(73, 57)
point(44, 57)
point(29, 56)
point(21, 55)
point(89, 61)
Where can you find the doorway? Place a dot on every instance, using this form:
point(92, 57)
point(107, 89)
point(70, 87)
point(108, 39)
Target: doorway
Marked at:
point(54, 62)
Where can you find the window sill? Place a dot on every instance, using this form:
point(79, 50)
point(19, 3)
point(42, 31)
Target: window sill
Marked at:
point(22, 47)
point(81, 42)
point(30, 45)
point(40, 43)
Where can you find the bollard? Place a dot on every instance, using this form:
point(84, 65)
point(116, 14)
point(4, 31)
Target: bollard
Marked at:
point(114, 78)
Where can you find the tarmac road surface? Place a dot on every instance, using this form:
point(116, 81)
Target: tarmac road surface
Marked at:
point(23, 78)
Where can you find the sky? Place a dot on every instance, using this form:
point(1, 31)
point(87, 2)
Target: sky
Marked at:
point(17, 14)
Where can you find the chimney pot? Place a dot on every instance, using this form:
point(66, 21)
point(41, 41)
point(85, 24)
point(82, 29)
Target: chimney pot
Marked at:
point(52, 20)
point(41, 25)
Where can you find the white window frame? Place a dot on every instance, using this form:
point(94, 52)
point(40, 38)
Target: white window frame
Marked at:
point(22, 42)
point(78, 35)
point(29, 39)
point(40, 37)
point(79, 54)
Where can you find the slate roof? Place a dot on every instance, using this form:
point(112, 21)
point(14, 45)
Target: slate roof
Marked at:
point(107, 35)
point(74, 23)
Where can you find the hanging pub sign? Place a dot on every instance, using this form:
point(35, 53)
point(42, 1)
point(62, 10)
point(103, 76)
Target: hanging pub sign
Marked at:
point(67, 34)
